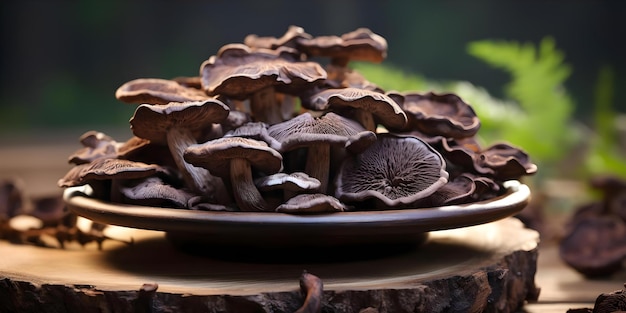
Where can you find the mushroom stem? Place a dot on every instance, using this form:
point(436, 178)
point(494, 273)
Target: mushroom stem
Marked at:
point(264, 107)
point(366, 119)
point(247, 196)
point(196, 178)
point(318, 164)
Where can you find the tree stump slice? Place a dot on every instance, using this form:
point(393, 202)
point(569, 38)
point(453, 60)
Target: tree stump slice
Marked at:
point(484, 268)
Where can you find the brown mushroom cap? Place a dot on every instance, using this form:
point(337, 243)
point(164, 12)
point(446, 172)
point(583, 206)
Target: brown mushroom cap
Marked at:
point(296, 181)
point(215, 155)
point(289, 39)
point(96, 145)
point(433, 114)
point(110, 168)
point(397, 170)
point(153, 191)
point(384, 108)
point(311, 203)
point(153, 122)
point(157, 91)
point(304, 130)
point(360, 45)
point(237, 71)
point(506, 161)
point(233, 158)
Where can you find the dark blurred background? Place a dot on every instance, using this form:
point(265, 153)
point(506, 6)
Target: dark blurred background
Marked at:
point(63, 60)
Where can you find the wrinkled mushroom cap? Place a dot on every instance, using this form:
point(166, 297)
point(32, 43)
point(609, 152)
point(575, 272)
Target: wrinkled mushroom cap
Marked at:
point(361, 45)
point(152, 122)
point(296, 181)
point(433, 114)
point(215, 155)
point(311, 203)
point(506, 161)
point(387, 111)
point(289, 39)
point(237, 71)
point(305, 129)
point(109, 168)
point(157, 91)
point(397, 170)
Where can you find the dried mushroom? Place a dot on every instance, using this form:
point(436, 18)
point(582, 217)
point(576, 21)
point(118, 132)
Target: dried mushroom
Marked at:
point(595, 239)
point(157, 91)
point(241, 73)
point(266, 127)
point(395, 170)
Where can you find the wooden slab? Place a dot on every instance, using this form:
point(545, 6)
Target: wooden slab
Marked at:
point(487, 267)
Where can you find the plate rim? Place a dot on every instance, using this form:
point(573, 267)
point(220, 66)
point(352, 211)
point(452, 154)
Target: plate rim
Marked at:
point(416, 220)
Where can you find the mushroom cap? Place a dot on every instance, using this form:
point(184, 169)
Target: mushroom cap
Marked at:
point(254, 130)
point(387, 111)
point(311, 203)
point(397, 170)
point(152, 122)
point(153, 191)
point(215, 155)
point(237, 71)
point(157, 91)
point(506, 161)
point(96, 145)
point(361, 44)
point(289, 39)
point(110, 168)
point(433, 114)
point(305, 129)
point(296, 181)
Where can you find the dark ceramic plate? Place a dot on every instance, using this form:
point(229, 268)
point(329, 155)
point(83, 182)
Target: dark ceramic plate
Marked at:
point(279, 230)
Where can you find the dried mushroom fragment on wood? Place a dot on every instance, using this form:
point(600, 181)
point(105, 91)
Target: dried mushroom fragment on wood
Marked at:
point(396, 171)
point(595, 240)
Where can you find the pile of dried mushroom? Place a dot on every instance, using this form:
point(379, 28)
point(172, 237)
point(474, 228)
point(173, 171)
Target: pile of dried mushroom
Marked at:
point(285, 125)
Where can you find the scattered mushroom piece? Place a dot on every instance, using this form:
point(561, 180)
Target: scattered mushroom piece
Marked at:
point(596, 246)
point(368, 106)
point(433, 114)
point(311, 203)
point(232, 158)
point(312, 288)
point(241, 73)
point(359, 45)
point(317, 134)
point(396, 170)
point(157, 91)
point(176, 125)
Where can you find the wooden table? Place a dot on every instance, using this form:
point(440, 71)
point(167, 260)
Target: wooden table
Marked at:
point(41, 163)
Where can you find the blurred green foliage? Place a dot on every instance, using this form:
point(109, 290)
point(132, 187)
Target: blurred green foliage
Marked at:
point(536, 113)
